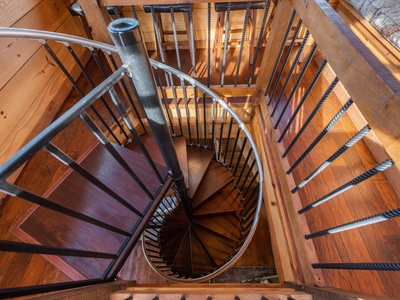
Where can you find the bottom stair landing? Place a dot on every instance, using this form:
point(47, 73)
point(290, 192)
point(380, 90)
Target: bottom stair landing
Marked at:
point(44, 226)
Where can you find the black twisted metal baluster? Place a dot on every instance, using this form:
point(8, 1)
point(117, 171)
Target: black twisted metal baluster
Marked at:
point(312, 115)
point(246, 19)
point(390, 214)
point(324, 131)
point(303, 99)
point(278, 58)
point(286, 59)
point(358, 136)
point(371, 172)
point(296, 84)
point(359, 266)
point(263, 24)
point(228, 14)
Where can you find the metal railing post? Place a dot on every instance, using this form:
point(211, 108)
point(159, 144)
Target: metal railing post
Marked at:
point(127, 37)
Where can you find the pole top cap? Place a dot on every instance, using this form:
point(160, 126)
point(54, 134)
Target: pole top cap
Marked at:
point(123, 25)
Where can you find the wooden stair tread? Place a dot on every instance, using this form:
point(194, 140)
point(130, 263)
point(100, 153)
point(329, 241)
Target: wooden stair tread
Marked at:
point(202, 262)
point(151, 145)
point(198, 160)
point(215, 178)
point(225, 200)
point(170, 247)
point(174, 222)
point(183, 258)
point(181, 152)
point(227, 225)
point(216, 247)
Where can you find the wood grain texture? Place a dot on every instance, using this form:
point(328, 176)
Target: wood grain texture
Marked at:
point(198, 160)
point(215, 178)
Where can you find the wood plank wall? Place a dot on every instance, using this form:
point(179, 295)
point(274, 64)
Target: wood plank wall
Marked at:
point(32, 87)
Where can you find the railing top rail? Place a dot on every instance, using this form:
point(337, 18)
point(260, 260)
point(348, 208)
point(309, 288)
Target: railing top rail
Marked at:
point(85, 102)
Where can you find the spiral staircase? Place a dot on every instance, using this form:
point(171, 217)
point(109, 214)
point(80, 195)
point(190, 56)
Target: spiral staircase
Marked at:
point(184, 245)
point(121, 187)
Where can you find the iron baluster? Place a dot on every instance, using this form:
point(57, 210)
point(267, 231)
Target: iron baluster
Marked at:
point(335, 155)
point(284, 63)
point(134, 12)
point(192, 47)
point(228, 13)
point(221, 131)
point(228, 140)
point(296, 84)
point(185, 102)
point(260, 37)
point(158, 39)
point(164, 100)
point(177, 109)
point(371, 172)
point(313, 113)
point(303, 99)
point(178, 58)
point(104, 141)
point(248, 174)
point(68, 161)
point(244, 165)
point(240, 155)
point(278, 58)
point(383, 266)
point(101, 68)
point(246, 19)
point(234, 147)
point(324, 131)
point(16, 191)
point(124, 86)
point(356, 224)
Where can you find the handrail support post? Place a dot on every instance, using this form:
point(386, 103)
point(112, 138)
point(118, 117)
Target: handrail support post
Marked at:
point(127, 37)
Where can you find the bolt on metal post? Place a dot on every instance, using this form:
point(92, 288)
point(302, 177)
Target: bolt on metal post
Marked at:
point(127, 37)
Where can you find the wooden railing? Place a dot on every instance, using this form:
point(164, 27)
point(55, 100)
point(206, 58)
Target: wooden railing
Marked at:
point(309, 116)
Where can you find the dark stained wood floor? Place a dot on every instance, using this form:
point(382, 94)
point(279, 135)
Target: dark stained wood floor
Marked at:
point(376, 243)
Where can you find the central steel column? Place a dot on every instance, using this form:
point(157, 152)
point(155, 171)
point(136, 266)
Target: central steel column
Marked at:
point(127, 37)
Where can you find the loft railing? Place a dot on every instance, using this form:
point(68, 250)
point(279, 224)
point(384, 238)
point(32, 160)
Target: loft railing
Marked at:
point(111, 120)
point(316, 114)
point(218, 128)
point(203, 36)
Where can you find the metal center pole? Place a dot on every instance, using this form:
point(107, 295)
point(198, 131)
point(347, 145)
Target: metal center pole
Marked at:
point(127, 37)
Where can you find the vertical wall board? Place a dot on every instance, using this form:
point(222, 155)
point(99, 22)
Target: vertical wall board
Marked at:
point(14, 53)
point(13, 10)
point(38, 89)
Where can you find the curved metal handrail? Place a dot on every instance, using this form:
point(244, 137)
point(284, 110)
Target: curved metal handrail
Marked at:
point(42, 36)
